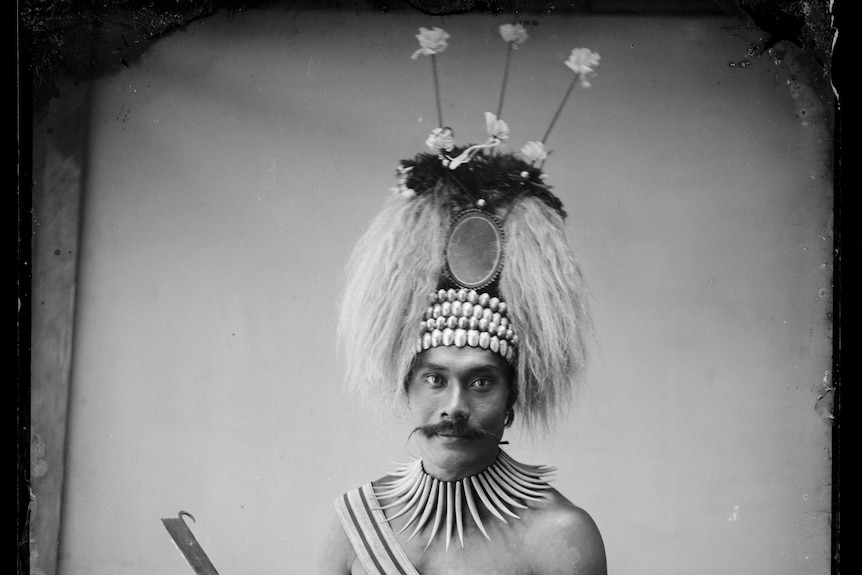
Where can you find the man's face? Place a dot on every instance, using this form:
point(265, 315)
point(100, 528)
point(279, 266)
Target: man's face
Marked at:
point(455, 395)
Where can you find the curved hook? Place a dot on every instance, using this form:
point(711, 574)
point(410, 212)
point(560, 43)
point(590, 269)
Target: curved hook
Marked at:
point(181, 513)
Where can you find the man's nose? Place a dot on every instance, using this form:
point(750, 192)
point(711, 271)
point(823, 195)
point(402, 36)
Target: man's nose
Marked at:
point(457, 405)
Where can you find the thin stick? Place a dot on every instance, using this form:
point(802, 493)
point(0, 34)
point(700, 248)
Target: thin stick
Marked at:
point(437, 90)
point(560, 109)
point(505, 78)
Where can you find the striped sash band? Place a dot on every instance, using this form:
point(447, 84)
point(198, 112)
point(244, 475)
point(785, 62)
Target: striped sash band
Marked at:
point(371, 536)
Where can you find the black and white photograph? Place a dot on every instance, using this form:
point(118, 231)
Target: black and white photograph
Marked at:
point(444, 288)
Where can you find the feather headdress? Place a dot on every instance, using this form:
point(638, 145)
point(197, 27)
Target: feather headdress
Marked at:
point(470, 250)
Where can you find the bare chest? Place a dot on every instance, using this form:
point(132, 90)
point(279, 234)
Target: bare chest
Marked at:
point(505, 554)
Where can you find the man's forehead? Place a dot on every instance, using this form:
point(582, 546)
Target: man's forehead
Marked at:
point(449, 357)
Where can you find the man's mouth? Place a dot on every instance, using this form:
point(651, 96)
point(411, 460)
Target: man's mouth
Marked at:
point(454, 431)
point(453, 440)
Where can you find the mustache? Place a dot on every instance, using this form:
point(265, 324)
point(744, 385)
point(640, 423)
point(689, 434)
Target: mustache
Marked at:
point(459, 427)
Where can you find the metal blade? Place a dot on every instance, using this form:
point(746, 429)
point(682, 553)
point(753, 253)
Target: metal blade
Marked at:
point(188, 545)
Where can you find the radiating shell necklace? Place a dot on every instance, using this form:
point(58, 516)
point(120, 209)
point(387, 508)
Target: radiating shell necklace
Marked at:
point(507, 483)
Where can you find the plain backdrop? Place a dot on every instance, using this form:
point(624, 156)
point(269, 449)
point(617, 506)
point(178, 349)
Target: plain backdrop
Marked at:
point(233, 167)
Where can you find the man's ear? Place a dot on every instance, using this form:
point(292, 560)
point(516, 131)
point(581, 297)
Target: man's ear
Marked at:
point(513, 393)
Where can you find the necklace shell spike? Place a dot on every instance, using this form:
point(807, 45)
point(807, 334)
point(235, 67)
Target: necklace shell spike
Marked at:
point(506, 485)
point(497, 504)
point(438, 515)
point(480, 491)
point(514, 488)
point(450, 506)
point(471, 504)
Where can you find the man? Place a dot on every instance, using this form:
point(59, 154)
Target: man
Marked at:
point(454, 393)
point(469, 360)
point(463, 307)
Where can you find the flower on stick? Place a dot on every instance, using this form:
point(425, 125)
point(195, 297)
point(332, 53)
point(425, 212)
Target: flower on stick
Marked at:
point(496, 128)
point(431, 41)
point(515, 34)
point(583, 62)
point(441, 139)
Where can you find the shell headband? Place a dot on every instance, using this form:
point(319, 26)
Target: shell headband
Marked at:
point(470, 250)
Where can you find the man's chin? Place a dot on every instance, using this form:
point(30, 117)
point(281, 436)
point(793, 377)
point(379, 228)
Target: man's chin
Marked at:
point(457, 454)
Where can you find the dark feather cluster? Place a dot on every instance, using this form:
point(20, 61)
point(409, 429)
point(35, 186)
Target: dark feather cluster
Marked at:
point(497, 178)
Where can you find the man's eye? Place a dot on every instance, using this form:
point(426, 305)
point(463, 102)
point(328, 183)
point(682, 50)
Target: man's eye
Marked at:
point(433, 379)
point(482, 383)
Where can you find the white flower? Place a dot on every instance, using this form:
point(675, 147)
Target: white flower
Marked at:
point(496, 128)
point(441, 139)
point(407, 193)
point(513, 33)
point(403, 191)
point(534, 151)
point(403, 173)
point(583, 61)
point(432, 41)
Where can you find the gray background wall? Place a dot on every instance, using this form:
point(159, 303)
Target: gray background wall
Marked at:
point(231, 170)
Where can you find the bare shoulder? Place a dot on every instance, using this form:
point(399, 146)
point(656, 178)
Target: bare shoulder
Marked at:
point(565, 539)
point(336, 555)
